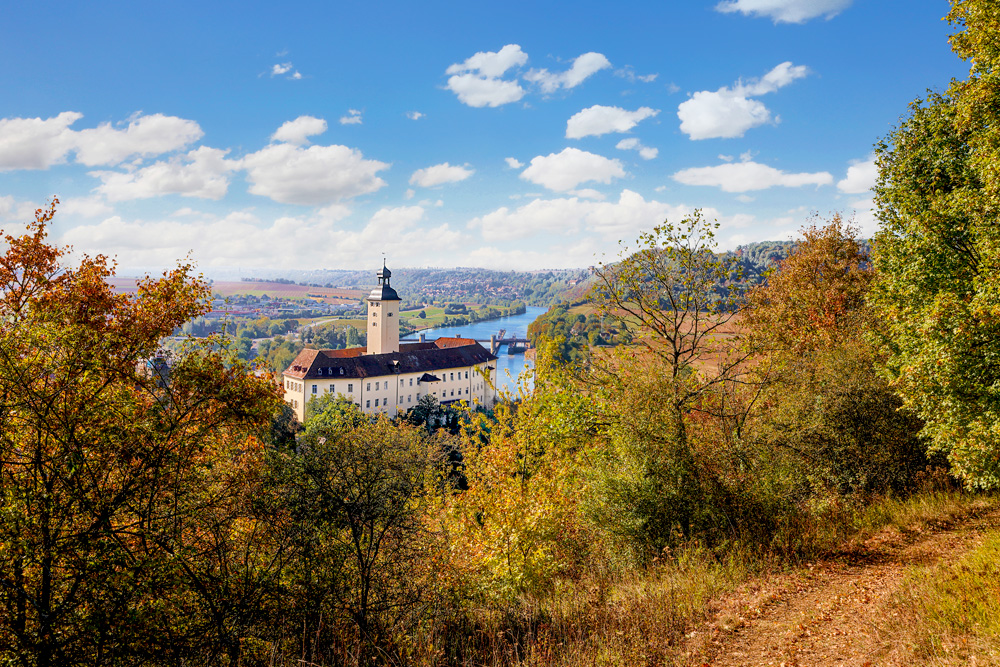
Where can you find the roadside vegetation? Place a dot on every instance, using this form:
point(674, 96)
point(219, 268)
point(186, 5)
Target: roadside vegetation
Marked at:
point(717, 431)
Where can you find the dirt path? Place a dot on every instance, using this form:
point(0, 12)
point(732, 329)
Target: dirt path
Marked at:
point(833, 613)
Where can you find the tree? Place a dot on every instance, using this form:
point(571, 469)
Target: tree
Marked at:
point(938, 290)
point(357, 504)
point(677, 297)
point(827, 405)
point(111, 476)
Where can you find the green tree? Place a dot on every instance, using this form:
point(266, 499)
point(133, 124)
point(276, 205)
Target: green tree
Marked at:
point(677, 297)
point(938, 291)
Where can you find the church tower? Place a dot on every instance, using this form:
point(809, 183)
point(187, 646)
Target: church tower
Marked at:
point(383, 316)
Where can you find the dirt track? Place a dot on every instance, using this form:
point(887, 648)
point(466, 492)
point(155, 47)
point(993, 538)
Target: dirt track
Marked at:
point(836, 613)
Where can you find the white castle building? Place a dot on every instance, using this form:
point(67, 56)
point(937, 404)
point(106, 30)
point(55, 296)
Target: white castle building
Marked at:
point(390, 377)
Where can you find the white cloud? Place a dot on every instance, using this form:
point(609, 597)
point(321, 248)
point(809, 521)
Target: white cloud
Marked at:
point(598, 120)
point(297, 131)
point(17, 211)
point(477, 81)
point(747, 176)
point(730, 112)
point(565, 170)
point(311, 176)
point(583, 67)
point(242, 239)
point(629, 74)
point(353, 117)
point(573, 216)
point(33, 143)
point(513, 163)
point(861, 177)
point(85, 207)
point(633, 144)
point(785, 11)
point(284, 68)
point(201, 173)
point(414, 115)
point(440, 174)
point(145, 136)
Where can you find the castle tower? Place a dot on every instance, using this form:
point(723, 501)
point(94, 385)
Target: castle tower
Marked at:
point(383, 316)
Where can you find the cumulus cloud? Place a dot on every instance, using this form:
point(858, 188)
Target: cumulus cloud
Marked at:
point(84, 207)
point(440, 174)
point(353, 117)
point(311, 176)
point(297, 131)
point(513, 163)
point(16, 211)
point(583, 66)
point(729, 111)
point(414, 115)
point(243, 239)
point(571, 216)
point(144, 136)
point(201, 173)
point(565, 170)
point(34, 143)
point(785, 11)
point(633, 144)
point(861, 177)
point(477, 82)
point(597, 120)
point(747, 176)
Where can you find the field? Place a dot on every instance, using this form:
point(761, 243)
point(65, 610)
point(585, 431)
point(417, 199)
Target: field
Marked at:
point(334, 296)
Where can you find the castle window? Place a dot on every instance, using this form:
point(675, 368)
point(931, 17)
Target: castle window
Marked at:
point(466, 375)
point(368, 403)
point(350, 388)
point(411, 382)
point(389, 315)
point(315, 389)
point(376, 389)
point(376, 402)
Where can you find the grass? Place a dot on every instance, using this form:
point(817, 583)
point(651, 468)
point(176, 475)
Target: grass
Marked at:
point(663, 614)
point(949, 613)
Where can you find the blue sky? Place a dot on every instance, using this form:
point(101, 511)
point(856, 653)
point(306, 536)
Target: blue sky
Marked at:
point(518, 135)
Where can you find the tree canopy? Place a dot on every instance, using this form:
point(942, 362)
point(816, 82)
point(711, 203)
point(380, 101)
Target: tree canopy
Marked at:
point(938, 289)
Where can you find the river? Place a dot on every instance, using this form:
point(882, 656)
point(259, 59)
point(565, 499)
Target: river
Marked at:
point(516, 325)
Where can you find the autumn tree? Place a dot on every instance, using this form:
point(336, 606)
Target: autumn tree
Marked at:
point(938, 291)
point(109, 472)
point(810, 326)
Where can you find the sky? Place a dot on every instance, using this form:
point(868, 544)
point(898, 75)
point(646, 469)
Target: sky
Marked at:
point(250, 136)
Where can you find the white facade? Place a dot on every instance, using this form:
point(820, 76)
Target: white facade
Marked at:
point(383, 326)
point(388, 377)
point(395, 394)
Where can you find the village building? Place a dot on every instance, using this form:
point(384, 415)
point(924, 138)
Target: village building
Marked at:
point(388, 376)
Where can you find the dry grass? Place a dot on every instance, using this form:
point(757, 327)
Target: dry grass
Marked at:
point(949, 613)
point(671, 612)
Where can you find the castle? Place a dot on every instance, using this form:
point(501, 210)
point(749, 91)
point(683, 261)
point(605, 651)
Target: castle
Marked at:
point(388, 376)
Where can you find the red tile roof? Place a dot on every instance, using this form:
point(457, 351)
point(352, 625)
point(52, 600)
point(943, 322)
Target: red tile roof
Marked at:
point(411, 358)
